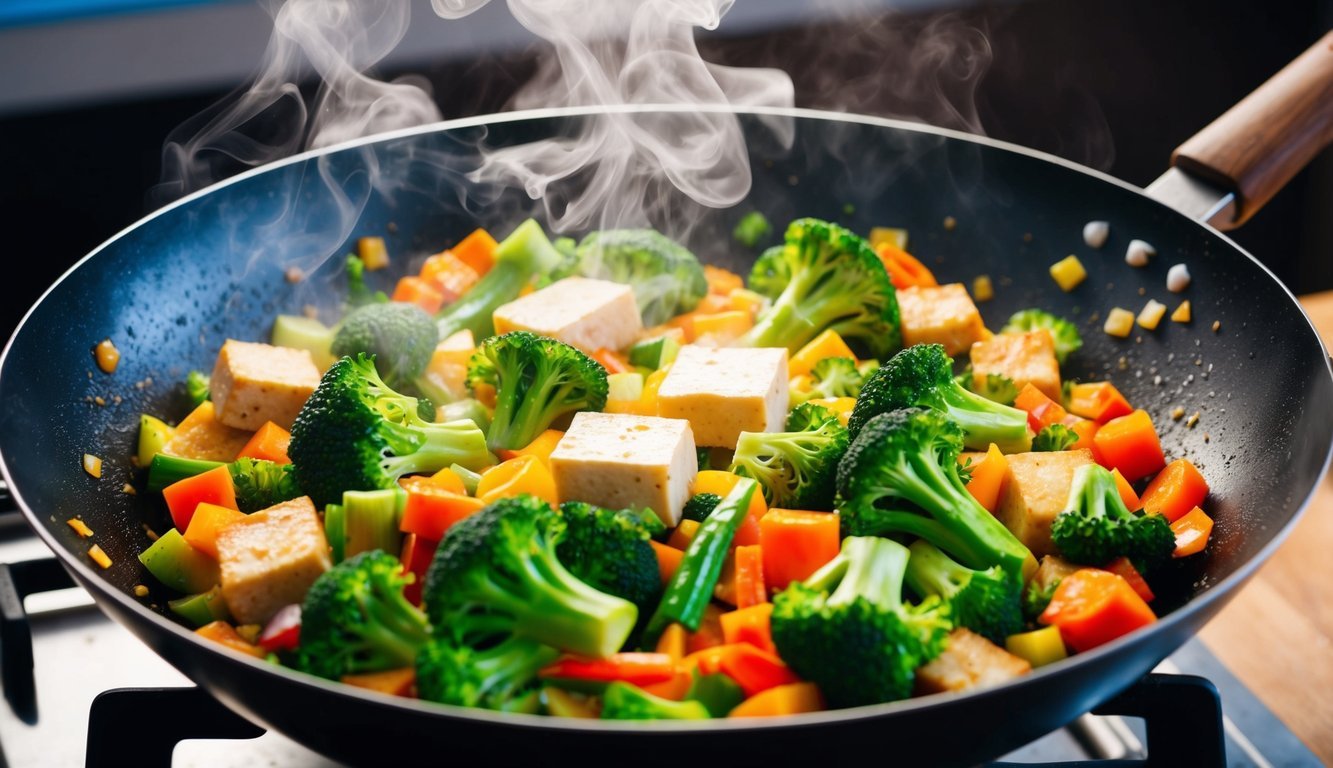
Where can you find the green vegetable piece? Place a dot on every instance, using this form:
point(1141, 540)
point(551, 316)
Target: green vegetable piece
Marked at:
point(624, 386)
point(1097, 527)
point(520, 259)
point(358, 293)
point(154, 434)
point(502, 677)
point(400, 336)
point(700, 506)
point(299, 332)
point(371, 520)
point(654, 353)
point(470, 479)
point(196, 386)
point(335, 530)
point(1054, 437)
point(717, 692)
point(988, 602)
point(837, 377)
point(797, 469)
point(260, 483)
point(752, 228)
point(1066, 336)
point(623, 701)
point(609, 551)
point(667, 279)
point(178, 565)
point(202, 608)
point(996, 386)
point(467, 408)
point(1036, 598)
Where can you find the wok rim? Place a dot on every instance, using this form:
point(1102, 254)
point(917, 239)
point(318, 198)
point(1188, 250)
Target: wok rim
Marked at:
point(1220, 590)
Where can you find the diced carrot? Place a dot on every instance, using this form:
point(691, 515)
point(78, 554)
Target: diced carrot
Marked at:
point(668, 560)
point(1126, 490)
point(224, 633)
point(1042, 411)
point(214, 486)
point(904, 269)
point(268, 444)
point(449, 275)
point(1092, 607)
point(672, 642)
point(1130, 444)
point(789, 699)
point(612, 361)
point(749, 625)
point(750, 588)
point(477, 250)
point(1176, 490)
point(414, 290)
point(826, 344)
point(207, 521)
point(988, 478)
point(394, 682)
point(449, 481)
point(1122, 567)
point(796, 543)
point(683, 535)
point(1099, 401)
point(631, 666)
point(541, 447)
point(431, 510)
point(1192, 531)
point(709, 633)
point(722, 281)
point(521, 474)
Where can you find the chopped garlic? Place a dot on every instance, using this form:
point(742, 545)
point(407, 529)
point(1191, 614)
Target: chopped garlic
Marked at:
point(92, 465)
point(1138, 253)
point(1177, 278)
point(982, 290)
point(1192, 420)
point(1182, 313)
point(1119, 322)
point(107, 355)
point(1068, 272)
point(99, 557)
point(1151, 314)
point(1095, 233)
point(79, 527)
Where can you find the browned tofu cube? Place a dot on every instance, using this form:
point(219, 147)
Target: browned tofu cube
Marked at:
point(969, 661)
point(201, 436)
point(254, 383)
point(1052, 571)
point(270, 559)
point(1027, 358)
point(942, 314)
point(1035, 490)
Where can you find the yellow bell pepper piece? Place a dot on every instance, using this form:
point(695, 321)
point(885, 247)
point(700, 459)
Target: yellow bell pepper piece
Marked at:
point(519, 475)
point(540, 447)
point(826, 344)
point(1068, 272)
point(723, 327)
point(562, 703)
point(1039, 647)
point(842, 406)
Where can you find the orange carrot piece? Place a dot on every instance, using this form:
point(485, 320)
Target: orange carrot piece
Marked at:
point(1192, 531)
point(709, 633)
point(1099, 401)
point(789, 699)
point(633, 667)
point(672, 642)
point(1092, 607)
point(214, 486)
point(224, 633)
point(1042, 411)
point(749, 625)
point(611, 360)
point(541, 446)
point(414, 290)
point(1126, 490)
point(521, 474)
point(207, 521)
point(1176, 490)
point(1130, 444)
point(269, 443)
point(477, 250)
point(683, 535)
point(988, 478)
point(796, 543)
point(394, 682)
point(431, 510)
point(1122, 567)
point(449, 275)
point(668, 560)
point(722, 281)
point(904, 269)
point(750, 588)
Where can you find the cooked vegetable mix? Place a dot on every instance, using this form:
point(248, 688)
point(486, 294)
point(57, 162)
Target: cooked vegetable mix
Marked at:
point(597, 479)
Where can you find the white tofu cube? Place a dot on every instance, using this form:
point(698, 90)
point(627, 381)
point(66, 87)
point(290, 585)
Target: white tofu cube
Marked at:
point(254, 383)
point(270, 559)
point(942, 314)
point(724, 392)
point(581, 312)
point(620, 461)
point(1035, 490)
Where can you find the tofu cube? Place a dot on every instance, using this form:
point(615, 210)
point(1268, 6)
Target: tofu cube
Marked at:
point(254, 383)
point(581, 312)
point(1027, 358)
point(270, 559)
point(969, 661)
point(618, 460)
point(1035, 490)
point(941, 314)
point(201, 436)
point(724, 392)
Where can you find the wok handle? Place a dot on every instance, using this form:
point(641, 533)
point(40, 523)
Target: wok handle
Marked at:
point(1257, 146)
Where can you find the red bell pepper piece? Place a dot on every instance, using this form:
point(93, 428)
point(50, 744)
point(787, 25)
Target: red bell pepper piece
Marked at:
point(283, 631)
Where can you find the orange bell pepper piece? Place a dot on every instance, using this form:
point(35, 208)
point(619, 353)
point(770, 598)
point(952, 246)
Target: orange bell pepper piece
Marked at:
point(904, 269)
point(673, 640)
point(477, 250)
point(449, 481)
point(207, 521)
point(1130, 444)
point(988, 478)
point(214, 487)
point(1099, 401)
point(541, 446)
point(721, 482)
point(749, 625)
point(449, 275)
point(668, 560)
point(611, 360)
point(521, 474)
point(1176, 490)
point(722, 281)
point(269, 443)
point(789, 699)
point(1126, 490)
point(749, 575)
point(1042, 411)
point(1122, 567)
point(224, 633)
point(414, 290)
point(1092, 607)
point(1192, 531)
point(753, 669)
point(796, 543)
point(394, 682)
point(632, 667)
point(431, 510)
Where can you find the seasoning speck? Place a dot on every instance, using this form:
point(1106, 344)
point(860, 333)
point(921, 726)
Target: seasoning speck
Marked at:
point(293, 275)
point(1177, 413)
point(1095, 233)
point(92, 465)
point(107, 356)
point(1217, 325)
point(950, 223)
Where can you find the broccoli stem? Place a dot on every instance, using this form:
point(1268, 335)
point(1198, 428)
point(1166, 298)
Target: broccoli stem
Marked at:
point(429, 447)
point(371, 520)
point(866, 566)
point(525, 254)
point(166, 470)
point(931, 572)
point(985, 421)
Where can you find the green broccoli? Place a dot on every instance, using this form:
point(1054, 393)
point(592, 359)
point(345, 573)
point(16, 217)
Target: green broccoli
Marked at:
point(667, 279)
point(909, 458)
point(496, 573)
point(1065, 333)
point(358, 293)
point(836, 377)
point(1036, 598)
point(848, 630)
point(824, 277)
point(355, 619)
point(261, 484)
point(752, 228)
point(501, 677)
point(797, 469)
point(520, 259)
point(354, 433)
point(988, 602)
point(699, 506)
point(197, 386)
point(1097, 527)
point(1054, 437)
point(921, 375)
point(400, 336)
point(625, 701)
point(609, 551)
point(996, 386)
point(536, 381)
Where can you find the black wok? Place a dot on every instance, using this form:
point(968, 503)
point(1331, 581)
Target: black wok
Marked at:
point(171, 288)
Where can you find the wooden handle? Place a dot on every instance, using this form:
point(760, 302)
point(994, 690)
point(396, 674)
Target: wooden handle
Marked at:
point(1259, 144)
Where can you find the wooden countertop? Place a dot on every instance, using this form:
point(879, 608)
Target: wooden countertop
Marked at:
point(1276, 635)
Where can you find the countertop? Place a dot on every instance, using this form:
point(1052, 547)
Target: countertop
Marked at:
point(1276, 635)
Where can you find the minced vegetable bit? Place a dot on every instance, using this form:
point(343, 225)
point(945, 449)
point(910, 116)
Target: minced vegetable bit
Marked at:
point(374, 254)
point(107, 355)
point(92, 465)
point(1183, 313)
point(99, 557)
point(1177, 413)
point(1119, 322)
point(129, 489)
point(1192, 420)
point(1068, 273)
point(1151, 314)
point(982, 290)
point(79, 527)
point(140, 590)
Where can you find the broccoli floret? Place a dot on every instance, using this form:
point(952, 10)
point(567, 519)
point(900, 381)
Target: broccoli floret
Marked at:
point(797, 469)
point(996, 386)
point(1036, 598)
point(922, 375)
point(667, 279)
point(824, 277)
point(848, 630)
point(520, 259)
point(501, 677)
point(904, 464)
point(699, 506)
point(609, 551)
point(752, 228)
point(625, 701)
point(496, 573)
point(646, 519)
point(837, 377)
point(400, 336)
point(354, 433)
point(988, 602)
point(1065, 333)
point(536, 381)
point(196, 387)
point(1054, 437)
point(355, 619)
point(358, 293)
point(1097, 527)
point(261, 484)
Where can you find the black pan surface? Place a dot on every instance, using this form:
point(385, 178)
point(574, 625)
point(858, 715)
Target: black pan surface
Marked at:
point(171, 288)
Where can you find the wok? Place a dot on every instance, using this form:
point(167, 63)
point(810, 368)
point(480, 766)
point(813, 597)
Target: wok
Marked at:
point(171, 288)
